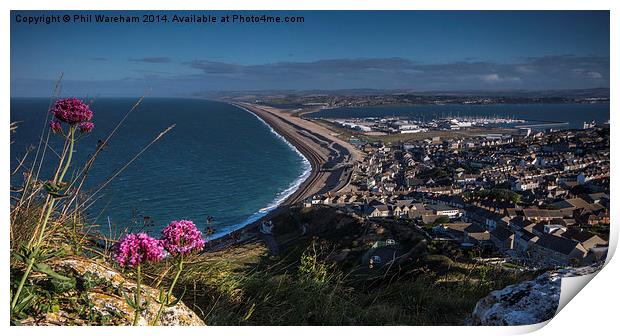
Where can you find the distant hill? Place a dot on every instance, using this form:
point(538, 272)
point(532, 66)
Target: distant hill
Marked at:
point(561, 93)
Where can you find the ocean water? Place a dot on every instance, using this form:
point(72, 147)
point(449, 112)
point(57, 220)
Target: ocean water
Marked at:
point(574, 114)
point(218, 161)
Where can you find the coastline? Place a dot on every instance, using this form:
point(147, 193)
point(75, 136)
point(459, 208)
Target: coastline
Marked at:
point(330, 160)
point(281, 196)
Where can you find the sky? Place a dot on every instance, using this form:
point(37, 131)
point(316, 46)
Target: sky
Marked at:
point(393, 50)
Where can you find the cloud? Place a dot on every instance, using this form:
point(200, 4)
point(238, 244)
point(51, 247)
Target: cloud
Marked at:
point(394, 73)
point(491, 78)
point(594, 74)
point(497, 78)
point(151, 60)
point(211, 67)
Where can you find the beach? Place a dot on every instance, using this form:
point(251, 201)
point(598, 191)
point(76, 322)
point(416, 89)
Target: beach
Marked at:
point(331, 160)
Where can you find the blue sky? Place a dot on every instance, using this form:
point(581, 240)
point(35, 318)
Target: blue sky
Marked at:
point(420, 50)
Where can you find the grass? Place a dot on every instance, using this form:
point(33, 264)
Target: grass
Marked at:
point(307, 285)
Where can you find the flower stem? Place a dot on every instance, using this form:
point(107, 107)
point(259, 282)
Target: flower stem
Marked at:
point(21, 283)
point(167, 299)
point(70, 154)
point(138, 306)
point(48, 212)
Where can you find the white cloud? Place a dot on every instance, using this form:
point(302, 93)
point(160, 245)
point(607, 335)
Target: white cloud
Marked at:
point(491, 78)
point(496, 78)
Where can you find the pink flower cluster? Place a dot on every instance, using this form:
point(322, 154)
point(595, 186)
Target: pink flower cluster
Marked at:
point(55, 126)
point(134, 249)
point(179, 238)
point(182, 238)
point(71, 111)
point(86, 127)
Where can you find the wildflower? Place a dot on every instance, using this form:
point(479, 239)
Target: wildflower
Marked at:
point(134, 249)
point(86, 127)
point(182, 237)
point(55, 126)
point(72, 111)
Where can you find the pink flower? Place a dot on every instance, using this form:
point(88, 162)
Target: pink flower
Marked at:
point(72, 111)
point(182, 238)
point(55, 126)
point(134, 249)
point(86, 127)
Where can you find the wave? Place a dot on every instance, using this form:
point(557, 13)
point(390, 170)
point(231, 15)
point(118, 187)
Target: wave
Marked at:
point(281, 196)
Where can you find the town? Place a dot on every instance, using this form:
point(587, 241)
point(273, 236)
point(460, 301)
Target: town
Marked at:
point(536, 199)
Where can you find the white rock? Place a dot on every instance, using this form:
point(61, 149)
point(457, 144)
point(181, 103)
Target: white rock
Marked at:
point(529, 302)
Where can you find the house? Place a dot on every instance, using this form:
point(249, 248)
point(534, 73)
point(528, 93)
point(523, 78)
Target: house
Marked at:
point(586, 239)
point(602, 219)
point(418, 211)
point(464, 232)
point(478, 235)
point(481, 216)
point(402, 208)
point(555, 250)
point(454, 230)
point(379, 211)
point(525, 185)
point(493, 221)
point(444, 210)
point(537, 215)
point(524, 239)
point(503, 238)
point(578, 206)
point(518, 222)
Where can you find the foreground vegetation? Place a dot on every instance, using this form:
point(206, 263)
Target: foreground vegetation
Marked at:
point(322, 279)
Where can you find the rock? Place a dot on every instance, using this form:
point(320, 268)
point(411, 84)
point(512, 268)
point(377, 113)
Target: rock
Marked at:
point(528, 302)
point(112, 304)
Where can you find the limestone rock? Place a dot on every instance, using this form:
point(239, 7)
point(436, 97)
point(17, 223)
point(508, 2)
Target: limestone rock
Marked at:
point(112, 304)
point(525, 303)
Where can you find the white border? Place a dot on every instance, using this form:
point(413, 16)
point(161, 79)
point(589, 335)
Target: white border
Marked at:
point(593, 311)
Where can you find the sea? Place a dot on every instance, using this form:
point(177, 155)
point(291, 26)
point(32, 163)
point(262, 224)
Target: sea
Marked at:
point(573, 114)
point(220, 166)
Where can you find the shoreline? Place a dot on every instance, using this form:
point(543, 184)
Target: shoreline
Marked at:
point(330, 160)
point(280, 197)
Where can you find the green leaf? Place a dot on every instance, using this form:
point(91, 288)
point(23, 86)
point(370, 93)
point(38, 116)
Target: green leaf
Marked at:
point(63, 285)
point(161, 297)
point(23, 303)
point(45, 268)
point(130, 301)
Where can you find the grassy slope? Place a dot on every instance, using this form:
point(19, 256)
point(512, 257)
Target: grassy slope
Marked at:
point(318, 279)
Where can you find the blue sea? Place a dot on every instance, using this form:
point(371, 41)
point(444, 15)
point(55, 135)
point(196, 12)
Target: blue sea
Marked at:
point(574, 114)
point(218, 161)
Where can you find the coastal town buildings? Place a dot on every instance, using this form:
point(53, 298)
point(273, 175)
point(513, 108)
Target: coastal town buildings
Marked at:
point(537, 199)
